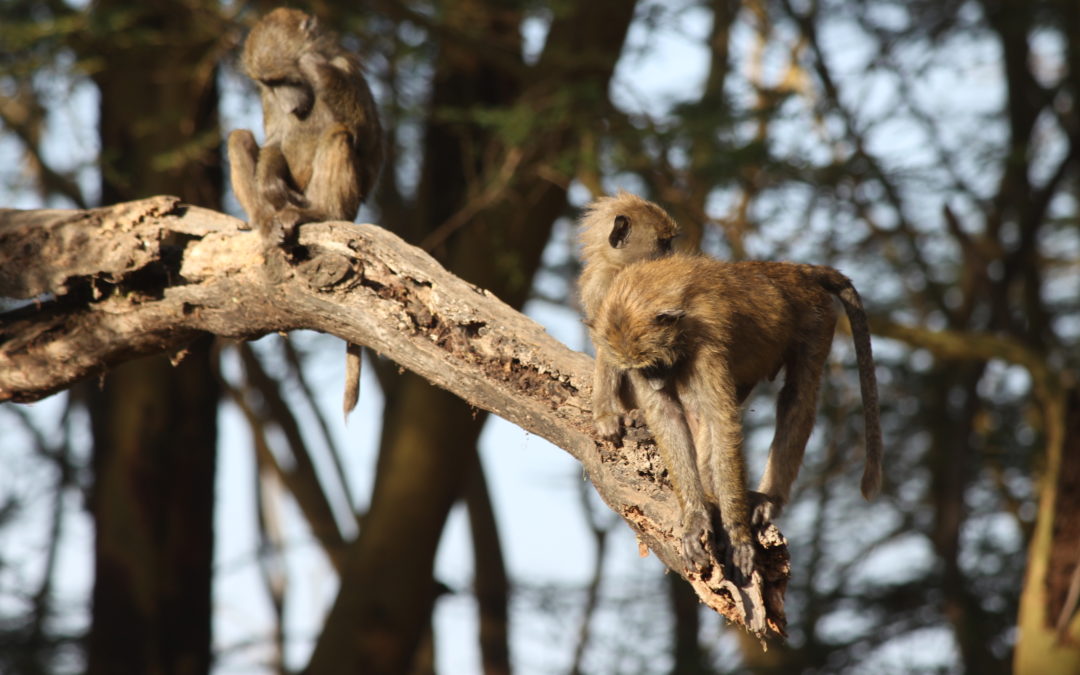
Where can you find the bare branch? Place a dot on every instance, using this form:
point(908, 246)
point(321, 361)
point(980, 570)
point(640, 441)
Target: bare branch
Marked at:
point(149, 276)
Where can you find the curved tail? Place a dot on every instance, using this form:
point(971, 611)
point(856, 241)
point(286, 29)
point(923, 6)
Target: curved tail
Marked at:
point(840, 286)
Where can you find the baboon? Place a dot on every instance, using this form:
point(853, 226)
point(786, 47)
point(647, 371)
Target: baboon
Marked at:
point(614, 232)
point(323, 147)
point(695, 336)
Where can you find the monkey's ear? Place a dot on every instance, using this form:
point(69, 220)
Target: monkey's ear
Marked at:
point(620, 232)
point(668, 317)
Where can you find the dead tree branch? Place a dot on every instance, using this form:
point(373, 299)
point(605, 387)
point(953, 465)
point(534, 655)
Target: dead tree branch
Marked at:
point(146, 277)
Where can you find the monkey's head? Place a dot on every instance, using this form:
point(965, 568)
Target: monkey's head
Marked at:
point(642, 330)
point(625, 229)
point(272, 54)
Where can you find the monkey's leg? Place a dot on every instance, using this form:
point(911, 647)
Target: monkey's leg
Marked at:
point(243, 158)
point(342, 89)
point(796, 409)
point(278, 190)
point(276, 183)
point(711, 401)
point(667, 421)
point(606, 407)
point(333, 193)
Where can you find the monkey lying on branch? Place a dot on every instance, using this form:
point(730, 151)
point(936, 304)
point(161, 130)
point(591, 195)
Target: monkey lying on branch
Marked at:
point(695, 335)
point(685, 339)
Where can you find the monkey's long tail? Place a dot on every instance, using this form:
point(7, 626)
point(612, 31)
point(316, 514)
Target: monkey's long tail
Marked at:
point(839, 285)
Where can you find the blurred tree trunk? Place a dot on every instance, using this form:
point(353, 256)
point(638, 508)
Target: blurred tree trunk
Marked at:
point(685, 606)
point(491, 581)
point(1049, 639)
point(428, 446)
point(154, 424)
point(1049, 624)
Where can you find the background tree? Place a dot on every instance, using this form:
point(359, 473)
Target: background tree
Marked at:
point(154, 425)
point(927, 149)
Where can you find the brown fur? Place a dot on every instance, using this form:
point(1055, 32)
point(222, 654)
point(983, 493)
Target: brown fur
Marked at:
point(606, 249)
point(696, 335)
point(323, 147)
point(615, 232)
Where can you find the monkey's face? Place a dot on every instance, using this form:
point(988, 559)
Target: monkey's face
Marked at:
point(288, 96)
point(272, 55)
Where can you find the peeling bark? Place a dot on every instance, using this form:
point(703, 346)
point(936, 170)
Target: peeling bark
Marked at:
point(145, 277)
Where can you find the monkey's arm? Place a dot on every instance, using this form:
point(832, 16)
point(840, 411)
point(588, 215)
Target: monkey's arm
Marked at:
point(346, 100)
point(667, 421)
point(340, 85)
point(607, 410)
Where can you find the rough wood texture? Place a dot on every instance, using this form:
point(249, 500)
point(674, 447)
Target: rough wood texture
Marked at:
point(144, 277)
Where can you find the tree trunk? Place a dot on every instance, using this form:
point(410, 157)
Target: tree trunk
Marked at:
point(154, 425)
point(429, 436)
point(1049, 625)
point(154, 433)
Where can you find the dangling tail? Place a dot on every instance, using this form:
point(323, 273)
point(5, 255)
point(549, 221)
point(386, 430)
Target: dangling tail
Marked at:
point(840, 286)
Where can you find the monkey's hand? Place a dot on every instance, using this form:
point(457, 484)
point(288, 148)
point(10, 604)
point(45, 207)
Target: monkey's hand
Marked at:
point(764, 509)
point(282, 195)
point(313, 65)
point(334, 80)
point(697, 538)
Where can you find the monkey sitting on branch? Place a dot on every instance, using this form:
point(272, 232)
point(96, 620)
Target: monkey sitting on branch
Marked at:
point(323, 147)
point(614, 232)
point(695, 335)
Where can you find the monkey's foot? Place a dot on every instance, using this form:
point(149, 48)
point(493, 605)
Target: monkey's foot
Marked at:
point(764, 509)
point(739, 558)
point(697, 535)
point(608, 425)
point(635, 418)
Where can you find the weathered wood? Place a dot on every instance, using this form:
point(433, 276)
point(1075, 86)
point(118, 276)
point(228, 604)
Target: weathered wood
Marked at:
point(111, 284)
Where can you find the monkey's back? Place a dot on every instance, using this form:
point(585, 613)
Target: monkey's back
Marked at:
point(726, 307)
